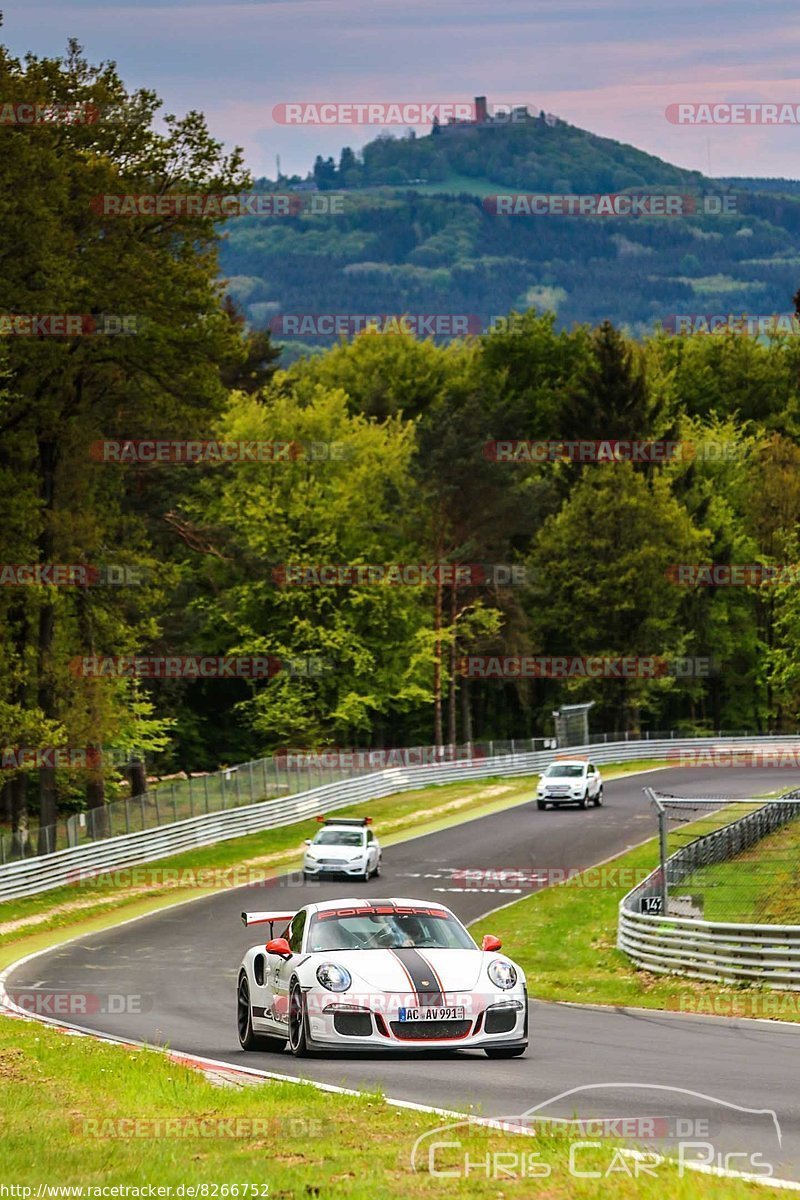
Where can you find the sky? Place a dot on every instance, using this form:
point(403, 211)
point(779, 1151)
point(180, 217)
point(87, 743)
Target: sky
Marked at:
point(609, 67)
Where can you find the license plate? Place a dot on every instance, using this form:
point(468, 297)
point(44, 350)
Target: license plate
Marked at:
point(455, 1013)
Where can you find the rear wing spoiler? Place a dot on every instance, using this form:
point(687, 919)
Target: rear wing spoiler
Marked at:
point(265, 918)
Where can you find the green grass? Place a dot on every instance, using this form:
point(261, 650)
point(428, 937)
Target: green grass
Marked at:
point(565, 939)
point(760, 886)
point(80, 1112)
point(96, 904)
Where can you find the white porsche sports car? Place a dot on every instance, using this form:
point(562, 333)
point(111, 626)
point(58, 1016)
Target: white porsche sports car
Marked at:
point(393, 974)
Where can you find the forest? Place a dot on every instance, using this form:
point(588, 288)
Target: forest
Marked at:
point(340, 530)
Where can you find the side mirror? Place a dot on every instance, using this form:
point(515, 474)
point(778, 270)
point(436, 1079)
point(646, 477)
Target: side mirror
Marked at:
point(307, 842)
point(490, 942)
point(281, 947)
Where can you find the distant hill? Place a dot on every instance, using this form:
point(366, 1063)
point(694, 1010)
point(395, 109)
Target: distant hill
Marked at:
point(414, 235)
point(775, 187)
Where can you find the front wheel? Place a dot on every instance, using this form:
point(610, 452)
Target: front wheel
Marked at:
point(598, 800)
point(505, 1051)
point(584, 801)
point(540, 804)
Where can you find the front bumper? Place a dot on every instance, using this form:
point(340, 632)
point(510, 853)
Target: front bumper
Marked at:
point(489, 1020)
point(342, 868)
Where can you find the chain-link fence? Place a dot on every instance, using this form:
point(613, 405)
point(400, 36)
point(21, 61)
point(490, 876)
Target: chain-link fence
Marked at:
point(284, 774)
point(727, 860)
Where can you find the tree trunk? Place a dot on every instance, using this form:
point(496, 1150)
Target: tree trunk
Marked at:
point(138, 777)
point(48, 454)
point(6, 804)
point(17, 788)
point(19, 817)
point(452, 729)
point(466, 710)
point(437, 665)
point(95, 784)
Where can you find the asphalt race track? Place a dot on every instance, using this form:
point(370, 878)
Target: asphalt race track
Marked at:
point(183, 963)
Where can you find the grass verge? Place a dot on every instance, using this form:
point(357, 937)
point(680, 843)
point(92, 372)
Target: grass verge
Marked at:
point(80, 1112)
point(761, 886)
point(565, 939)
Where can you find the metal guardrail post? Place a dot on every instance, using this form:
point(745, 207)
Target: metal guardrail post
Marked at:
point(662, 847)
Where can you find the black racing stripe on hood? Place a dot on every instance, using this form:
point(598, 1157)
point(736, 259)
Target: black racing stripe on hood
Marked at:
point(422, 976)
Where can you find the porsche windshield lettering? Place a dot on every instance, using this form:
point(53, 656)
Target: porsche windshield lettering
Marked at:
point(365, 929)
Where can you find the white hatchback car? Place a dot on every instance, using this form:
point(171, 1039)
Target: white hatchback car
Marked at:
point(570, 781)
point(344, 846)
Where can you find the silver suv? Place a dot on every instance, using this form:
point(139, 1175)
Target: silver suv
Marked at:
point(570, 781)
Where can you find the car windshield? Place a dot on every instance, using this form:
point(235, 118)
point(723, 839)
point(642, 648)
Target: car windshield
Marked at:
point(384, 929)
point(339, 837)
point(568, 770)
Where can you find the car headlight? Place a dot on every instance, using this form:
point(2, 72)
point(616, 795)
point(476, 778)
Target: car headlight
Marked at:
point(333, 977)
point(502, 974)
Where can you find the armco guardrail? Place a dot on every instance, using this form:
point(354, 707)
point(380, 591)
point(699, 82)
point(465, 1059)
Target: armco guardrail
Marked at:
point(724, 951)
point(32, 875)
